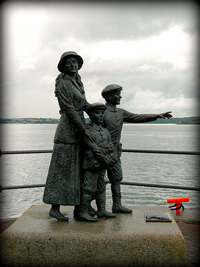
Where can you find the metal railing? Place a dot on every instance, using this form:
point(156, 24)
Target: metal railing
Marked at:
point(123, 150)
point(107, 181)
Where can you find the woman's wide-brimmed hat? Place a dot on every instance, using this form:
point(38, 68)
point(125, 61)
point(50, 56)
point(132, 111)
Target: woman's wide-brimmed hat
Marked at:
point(65, 56)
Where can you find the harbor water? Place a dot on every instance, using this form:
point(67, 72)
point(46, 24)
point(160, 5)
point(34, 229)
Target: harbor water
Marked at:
point(149, 168)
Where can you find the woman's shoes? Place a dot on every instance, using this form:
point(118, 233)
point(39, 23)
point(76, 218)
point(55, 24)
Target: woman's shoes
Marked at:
point(57, 215)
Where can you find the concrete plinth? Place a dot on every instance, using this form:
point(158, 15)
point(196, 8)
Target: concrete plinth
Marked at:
point(35, 239)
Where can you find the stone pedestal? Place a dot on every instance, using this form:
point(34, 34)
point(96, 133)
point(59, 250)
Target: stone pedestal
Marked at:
point(35, 239)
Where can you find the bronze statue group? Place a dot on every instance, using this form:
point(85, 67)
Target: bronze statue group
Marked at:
point(83, 153)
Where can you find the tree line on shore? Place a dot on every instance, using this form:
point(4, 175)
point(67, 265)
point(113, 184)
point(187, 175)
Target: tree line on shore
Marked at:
point(184, 120)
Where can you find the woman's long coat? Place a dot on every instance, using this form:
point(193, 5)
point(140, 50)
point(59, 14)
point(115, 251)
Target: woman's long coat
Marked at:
point(64, 176)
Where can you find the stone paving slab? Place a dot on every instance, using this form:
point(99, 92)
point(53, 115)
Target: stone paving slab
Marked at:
point(187, 215)
point(35, 239)
point(191, 233)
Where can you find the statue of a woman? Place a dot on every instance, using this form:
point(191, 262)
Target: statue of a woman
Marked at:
point(64, 176)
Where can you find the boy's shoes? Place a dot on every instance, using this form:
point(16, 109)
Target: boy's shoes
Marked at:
point(106, 214)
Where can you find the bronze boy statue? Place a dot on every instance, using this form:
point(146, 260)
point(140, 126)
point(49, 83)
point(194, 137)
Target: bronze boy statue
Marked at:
point(93, 185)
point(113, 120)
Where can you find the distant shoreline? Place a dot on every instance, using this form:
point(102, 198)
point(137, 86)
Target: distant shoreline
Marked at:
point(184, 120)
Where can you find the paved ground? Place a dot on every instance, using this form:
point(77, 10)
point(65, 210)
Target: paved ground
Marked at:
point(5, 224)
point(190, 231)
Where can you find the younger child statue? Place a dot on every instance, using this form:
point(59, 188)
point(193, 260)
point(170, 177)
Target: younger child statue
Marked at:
point(93, 185)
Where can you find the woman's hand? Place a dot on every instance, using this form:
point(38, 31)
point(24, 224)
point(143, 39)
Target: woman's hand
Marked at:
point(165, 115)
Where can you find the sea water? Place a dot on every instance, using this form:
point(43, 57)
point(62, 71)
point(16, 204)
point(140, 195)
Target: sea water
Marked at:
point(149, 168)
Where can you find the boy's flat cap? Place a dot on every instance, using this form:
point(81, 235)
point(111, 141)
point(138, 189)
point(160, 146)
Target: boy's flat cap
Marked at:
point(96, 105)
point(109, 88)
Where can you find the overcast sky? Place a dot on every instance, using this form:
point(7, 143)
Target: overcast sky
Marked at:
point(151, 50)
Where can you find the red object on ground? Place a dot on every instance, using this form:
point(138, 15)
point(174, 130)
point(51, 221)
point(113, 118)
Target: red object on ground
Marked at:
point(177, 202)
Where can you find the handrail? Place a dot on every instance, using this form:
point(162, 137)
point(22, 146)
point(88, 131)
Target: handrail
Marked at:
point(158, 185)
point(123, 150)
point(162, 151)
point(25, 152)
point(8, 187)
point(107, 181)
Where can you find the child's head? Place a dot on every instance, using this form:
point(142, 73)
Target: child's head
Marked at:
point(96, 112)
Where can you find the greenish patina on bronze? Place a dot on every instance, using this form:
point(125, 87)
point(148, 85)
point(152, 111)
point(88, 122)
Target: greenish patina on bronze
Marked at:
point(63, 185)
point(113, 120)
point(72, 138)
point(93, 184)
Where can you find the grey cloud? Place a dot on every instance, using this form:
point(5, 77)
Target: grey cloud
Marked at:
point(170, 83)
point(135, 20)
point(127, 20)
point(89, 24)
